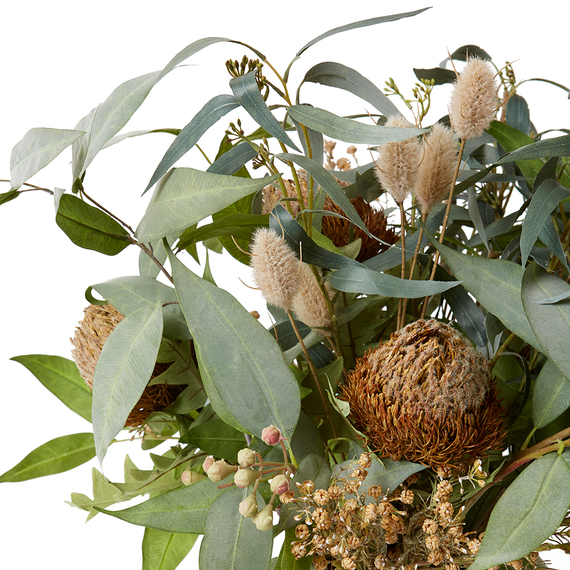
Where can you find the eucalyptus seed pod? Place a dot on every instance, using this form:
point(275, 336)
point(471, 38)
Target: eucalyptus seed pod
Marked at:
point(426, 395)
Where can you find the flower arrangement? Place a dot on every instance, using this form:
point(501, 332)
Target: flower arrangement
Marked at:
point(408, 406)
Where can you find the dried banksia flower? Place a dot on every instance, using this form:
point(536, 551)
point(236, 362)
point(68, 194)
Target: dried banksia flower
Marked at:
point(436, 169)
point(275, 268)
point(308, 303)
point(473, 99)
point(426, 395)
point(98, 323)
point(397, 166)
point(338, 230)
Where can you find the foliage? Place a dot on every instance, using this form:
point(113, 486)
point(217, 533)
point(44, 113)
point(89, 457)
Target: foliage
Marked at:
point(270, 407)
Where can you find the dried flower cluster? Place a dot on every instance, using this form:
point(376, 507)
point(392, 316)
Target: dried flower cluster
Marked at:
point(426, 395)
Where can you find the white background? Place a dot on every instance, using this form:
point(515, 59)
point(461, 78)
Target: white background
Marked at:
point(60, 59)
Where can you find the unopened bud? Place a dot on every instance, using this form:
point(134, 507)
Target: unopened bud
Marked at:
point(271, 435)
point(279, 484)
point(245, 477)
point(264, 519)
point(248, 507)
point(219, 470)
point(188, 477)
point(246, 457)
point(208, 462)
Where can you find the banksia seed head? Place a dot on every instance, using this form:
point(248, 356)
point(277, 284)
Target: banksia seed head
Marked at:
point(308, 303)
point(436, 169)
point(275, 268)
point(397, 166)
point(473, 99)
point(426, 395)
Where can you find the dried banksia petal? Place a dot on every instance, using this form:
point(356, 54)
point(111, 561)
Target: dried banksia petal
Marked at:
point(275, 268)
point(397, 166)
point(473, 99)
point(436, 169)
point(308, 303)
point(426, 395)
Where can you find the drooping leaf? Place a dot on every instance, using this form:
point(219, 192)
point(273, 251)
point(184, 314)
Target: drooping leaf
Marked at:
point(360, 24)
point(246, 379)
point(517, 114)
point(545, 199)
point(186, 196)
point(342, 77)
point(165, 550)
point(558, 146)
point(123, 371)
point(529, 511)
point(217, 438)
point(181, 511)
point(8, 196)
point(496, 285)
point(133, 134)
point(232, 160)
point(475, 215)
point(550, 323)
point(61, 377)
point(349, 130)
point(208, 115)
point(90, 228)
point(550, 396)
point(550, 238)
point(231, 541)
point(56, 456)
point(36, 150)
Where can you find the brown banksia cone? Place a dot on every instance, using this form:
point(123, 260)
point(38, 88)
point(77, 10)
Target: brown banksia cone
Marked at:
point(426, 395)
point(437, 167)
point(397, 166)
point(98, 323)
point(338, 229)
point(473, 99)
point(309, 303)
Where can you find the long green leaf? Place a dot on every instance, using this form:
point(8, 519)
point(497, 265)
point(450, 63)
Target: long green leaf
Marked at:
point(342, 77)
point(550, 396)
point(90, 228)
point(215, 437)
point(246, 378)
point(496, 285)
point(186, 196)
point(360, 24)
point(36, 150)
point(528, 512)
point(56, 456)
point(209, 114)
point(231, 541)
point(559, 146)
point(61, 377)
point(246, 91)
point(165, 550)
point(550, 322)
point(348, 130)
point(547, 196)
point(123, 371)
point(232, 160)
point(180, 511)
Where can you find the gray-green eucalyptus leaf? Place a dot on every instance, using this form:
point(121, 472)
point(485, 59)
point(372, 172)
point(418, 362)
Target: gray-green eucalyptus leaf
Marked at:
point(550, 395)
point(165, 550)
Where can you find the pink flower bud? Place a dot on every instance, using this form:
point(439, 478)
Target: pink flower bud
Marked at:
point(248, 507)
point(188, 477)
point(219, 470)
point(271, 435)
point(264, 519)
point(246, 457)
point(208, 462)
point(279, 484)
point(245, 477)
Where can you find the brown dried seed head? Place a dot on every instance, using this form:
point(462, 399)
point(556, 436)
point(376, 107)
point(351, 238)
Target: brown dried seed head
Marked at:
point(407, 497)
point(430, 526)
point(301, 531)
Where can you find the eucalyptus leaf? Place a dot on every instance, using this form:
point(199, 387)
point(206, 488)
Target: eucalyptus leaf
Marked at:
point(208, 115)
point(56, 456)
point(517, 114)
point(528, 512)
point(558, 146)
point(476, 216)
point(550, 323)
point(550, 238)
point(62, 378)
point(186, 196)
point(349, 130)
point(550, 396)
point(165, 550)
point(216, 438)
point(232, 160)
point(123, 371)
point(245, 377)
point(231, 541)
point(89, 227)
point(134, 134)
point(8, 196)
